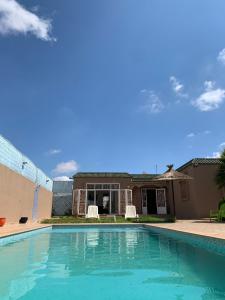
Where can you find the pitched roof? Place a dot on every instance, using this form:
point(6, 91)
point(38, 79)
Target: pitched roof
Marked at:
point(200, 161)
point(134, 177)
point(143, 177)
point(172, 174)
point(101, 174)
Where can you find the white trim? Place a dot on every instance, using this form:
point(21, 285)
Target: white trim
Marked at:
point(161, 210)
point(144, 194)
point(126, 191)
point(103, 183)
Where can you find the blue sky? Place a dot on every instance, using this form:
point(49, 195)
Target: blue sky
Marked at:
point(116, 85)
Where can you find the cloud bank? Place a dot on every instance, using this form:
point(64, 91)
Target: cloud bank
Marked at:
point(211, 98)
point(15, 19)
point(66, 167)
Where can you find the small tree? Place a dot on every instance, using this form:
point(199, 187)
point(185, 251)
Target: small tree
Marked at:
point(220, 176)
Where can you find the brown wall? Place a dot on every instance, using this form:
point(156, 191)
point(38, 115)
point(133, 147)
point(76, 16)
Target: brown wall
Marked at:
point(80, 183)
point(137, 196)
point(17, 196)
point(126, 183)
point(203, 192)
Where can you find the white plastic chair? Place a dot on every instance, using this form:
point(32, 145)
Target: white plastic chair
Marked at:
point(92, 212)
point(131, 212)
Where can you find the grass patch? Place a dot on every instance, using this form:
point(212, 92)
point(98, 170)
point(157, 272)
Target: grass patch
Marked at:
point(119, 220)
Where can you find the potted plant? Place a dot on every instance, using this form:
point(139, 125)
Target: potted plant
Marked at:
point(2, 221)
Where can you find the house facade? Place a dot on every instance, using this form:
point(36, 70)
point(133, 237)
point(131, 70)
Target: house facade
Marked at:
point(111, 192)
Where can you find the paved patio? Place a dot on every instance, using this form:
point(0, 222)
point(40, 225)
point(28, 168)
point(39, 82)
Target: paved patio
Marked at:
point(201, 227)
point(10, 229)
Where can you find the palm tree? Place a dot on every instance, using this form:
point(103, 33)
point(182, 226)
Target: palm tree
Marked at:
point(220, 176)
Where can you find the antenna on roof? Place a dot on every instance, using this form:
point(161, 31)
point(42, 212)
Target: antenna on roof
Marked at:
point(156, 169)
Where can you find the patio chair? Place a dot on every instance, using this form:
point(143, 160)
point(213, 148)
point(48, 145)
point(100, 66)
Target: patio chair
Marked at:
point(92, 212)
point(131, 212)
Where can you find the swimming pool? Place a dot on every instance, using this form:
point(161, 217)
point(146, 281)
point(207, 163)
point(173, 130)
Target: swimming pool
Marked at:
point(107, 262)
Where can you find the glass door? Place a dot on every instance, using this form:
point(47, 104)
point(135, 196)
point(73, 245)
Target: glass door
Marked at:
point(161, 201)
point(114, 202)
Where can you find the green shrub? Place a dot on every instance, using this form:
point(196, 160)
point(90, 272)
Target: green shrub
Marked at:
point(171, 219)
point(221, 203)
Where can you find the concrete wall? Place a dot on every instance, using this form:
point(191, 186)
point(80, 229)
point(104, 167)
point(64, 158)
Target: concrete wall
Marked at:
point(202, 190)
point(17, 197)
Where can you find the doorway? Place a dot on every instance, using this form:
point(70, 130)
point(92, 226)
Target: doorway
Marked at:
point(154, 201)
point(151, 202)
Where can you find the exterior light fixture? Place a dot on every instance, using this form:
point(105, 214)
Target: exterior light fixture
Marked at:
point(24, 163)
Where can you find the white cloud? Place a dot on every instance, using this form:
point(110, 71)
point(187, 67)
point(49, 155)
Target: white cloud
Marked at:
point(211, 98)
point(177, 87)
point(15, 19)
point(215, 155)
point(194, 134)
point(54, 151)
point(209, 85)
point(153, 104)
point(222, 146)
point(191, 135)
point(66, 167)
point(221, 56)
point(207, 132)
point(62, 178)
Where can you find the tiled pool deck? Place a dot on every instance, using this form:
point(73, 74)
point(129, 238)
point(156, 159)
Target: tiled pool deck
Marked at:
point(10, 229)
point(199, 227)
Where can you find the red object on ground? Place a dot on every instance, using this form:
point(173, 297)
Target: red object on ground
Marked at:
point(2, 221)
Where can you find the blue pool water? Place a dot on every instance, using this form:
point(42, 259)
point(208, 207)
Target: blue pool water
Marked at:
point(108, 263)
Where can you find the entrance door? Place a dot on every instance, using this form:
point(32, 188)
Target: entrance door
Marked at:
point(151, 201)
point(154, 201)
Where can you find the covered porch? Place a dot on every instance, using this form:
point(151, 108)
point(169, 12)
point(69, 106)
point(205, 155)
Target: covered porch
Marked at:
point(151, 199)
point(110, 199)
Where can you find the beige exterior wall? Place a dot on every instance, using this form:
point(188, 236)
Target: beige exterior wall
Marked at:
point(17, 197)
point(202, 191)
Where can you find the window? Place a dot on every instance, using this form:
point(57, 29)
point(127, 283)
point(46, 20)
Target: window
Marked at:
point(115, 186)
point(90, 186)
point(98, 186)
point(106, 186)
point(103, 186)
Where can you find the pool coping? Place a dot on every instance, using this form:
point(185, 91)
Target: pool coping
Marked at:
point(145, 225)
point(188, 233)
point(24, 230)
